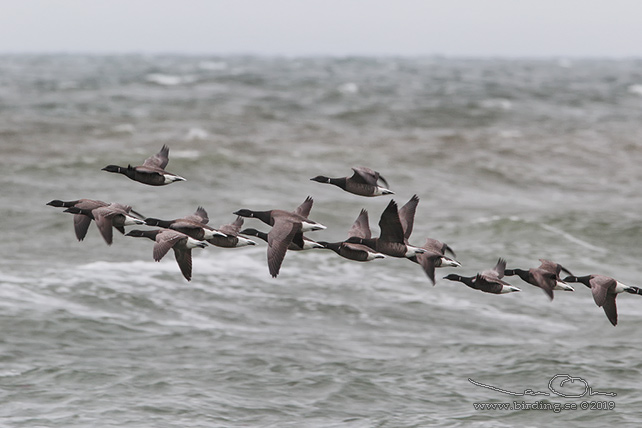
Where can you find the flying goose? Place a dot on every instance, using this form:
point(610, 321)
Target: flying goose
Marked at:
point(605, 289)
point(546, 276)
point(434, 257)
point(488, 281)
point(299, 241)
point(285, 226)
point(233, 238)
point(81, 221)
point(194, 225)
point(151, 172)
point(391, 240)
point(435, 254)
point(438, 247)
point(113, 215)
point(363, 182)
point(358, 252)
point(407, 218)
point(167, 238)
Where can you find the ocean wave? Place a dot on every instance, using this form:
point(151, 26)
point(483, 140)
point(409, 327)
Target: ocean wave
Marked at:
point(521, 159)
point(169, 79)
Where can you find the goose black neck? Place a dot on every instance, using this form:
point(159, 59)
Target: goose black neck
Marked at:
point(262, 235)
point(523, 274)
point(583, 279)
point(129, 171)
point(136, 233)
point(468, 280)
point(334, 246)
point(76, 210)
point(264, 216)
point(254, 232)
point(369, 242)
point(339, 182)
point(157, 222)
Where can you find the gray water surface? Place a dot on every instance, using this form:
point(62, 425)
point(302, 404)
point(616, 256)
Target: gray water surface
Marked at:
point(520, 159)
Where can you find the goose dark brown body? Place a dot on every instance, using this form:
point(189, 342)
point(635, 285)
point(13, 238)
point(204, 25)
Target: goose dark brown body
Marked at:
point(151, 172)
point(194, 225)
point(113, 215)
point(358, 252)
point(363, 182)
point(546, 276)
point(233, 236)
point(488, 281)
point(286, 225)
point(391, 240)
point(434, 251)
point(166, 239)
point(81, 221)
point(604, 290)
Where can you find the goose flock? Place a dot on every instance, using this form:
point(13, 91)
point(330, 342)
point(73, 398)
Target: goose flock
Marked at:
point(288, 228)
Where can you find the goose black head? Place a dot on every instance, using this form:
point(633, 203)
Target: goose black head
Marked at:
point(244, 213)
point(112, 168)
point(321, 179)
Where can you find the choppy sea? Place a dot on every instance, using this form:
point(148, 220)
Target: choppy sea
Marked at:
point(521, 159)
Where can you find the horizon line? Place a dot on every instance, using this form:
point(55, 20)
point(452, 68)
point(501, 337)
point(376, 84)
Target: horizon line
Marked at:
point(318, 55)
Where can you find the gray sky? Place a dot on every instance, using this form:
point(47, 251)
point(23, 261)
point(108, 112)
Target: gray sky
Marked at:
point(568, 28)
